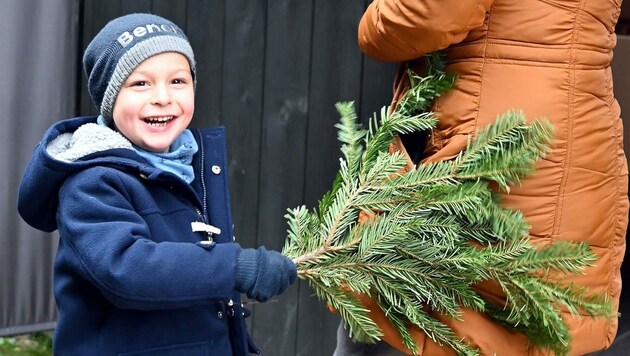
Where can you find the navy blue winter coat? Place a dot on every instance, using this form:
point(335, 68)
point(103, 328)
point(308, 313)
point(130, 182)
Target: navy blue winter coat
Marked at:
point(131, 277)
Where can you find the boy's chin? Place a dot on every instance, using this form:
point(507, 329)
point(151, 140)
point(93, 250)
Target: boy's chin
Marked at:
point(156, 147)
point(159, 143)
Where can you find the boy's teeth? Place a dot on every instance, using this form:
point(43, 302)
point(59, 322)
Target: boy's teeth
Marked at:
point(158, 120)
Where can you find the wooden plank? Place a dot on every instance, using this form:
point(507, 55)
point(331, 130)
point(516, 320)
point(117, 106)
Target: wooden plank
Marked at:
point(376, 88)
point(242, 109)
point(204, 28)
point(85, 105)
point(135, 6)
point(96, 14)
point(283, 153)
point(171, 9)
point(335, 76)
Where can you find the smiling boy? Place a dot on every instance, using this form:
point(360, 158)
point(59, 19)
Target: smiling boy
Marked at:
point(146, 262)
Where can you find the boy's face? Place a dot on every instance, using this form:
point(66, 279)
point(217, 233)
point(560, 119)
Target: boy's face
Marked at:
point(156, 102)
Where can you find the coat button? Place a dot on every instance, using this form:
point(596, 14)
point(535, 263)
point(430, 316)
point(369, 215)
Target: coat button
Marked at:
point(216, 169)
point(220, 315)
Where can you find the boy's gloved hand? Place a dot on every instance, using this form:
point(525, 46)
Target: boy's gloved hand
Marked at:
point(261, 274)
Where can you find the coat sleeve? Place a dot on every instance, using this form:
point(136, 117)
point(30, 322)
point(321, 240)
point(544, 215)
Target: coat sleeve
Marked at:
point(108, 243)
point(401, 30)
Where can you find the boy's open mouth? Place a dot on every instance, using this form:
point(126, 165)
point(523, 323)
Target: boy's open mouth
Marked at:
point(158, 121)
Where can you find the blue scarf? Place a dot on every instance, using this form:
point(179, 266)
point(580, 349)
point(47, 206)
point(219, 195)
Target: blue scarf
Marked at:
point(177, 160)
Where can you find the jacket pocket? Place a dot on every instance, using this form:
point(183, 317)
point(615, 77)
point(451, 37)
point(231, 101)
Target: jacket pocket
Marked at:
point(190, 349)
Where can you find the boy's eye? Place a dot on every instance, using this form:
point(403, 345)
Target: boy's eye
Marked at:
point(179, 81)
point(139, 83)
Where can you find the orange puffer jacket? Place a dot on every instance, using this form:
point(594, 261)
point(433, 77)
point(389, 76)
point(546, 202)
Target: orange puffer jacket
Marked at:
point(549, 58)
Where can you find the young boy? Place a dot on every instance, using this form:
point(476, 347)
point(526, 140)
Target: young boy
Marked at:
point(146, 261)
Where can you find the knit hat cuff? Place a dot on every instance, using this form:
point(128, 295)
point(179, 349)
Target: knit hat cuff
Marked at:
point(136, 55)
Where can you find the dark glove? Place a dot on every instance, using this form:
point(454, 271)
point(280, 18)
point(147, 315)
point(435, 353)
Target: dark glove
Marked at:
point(261, 274)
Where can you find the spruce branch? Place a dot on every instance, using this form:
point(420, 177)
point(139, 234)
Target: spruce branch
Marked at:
point(435, 233)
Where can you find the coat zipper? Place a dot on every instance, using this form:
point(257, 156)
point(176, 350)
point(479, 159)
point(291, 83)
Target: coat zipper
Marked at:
point(204, 200)
point(202, 178)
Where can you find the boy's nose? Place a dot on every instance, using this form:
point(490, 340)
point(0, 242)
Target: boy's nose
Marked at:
point(161, 95)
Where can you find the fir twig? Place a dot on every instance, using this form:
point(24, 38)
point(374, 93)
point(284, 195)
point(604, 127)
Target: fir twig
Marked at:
point(437, 231)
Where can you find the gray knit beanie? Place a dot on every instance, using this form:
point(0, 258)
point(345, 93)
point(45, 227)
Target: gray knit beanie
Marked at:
point(121, 46)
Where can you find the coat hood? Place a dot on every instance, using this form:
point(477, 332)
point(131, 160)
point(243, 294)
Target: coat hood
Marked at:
point(68, 147)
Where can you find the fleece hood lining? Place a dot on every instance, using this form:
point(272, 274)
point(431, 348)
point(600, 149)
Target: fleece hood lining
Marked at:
point(87, 139)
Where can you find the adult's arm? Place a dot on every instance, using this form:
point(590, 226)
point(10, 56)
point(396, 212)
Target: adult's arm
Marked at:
point(401, 30)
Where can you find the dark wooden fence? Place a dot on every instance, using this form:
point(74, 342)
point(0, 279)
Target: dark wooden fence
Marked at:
point(271, 72)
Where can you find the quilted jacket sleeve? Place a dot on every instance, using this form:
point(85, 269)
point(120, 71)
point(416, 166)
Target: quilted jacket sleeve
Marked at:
point(400, 30)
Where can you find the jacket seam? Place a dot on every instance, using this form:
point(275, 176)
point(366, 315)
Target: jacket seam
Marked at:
point(481, 74)
point(612, 248)
point(570, 122)
point(378, 27)
point(472, 16)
